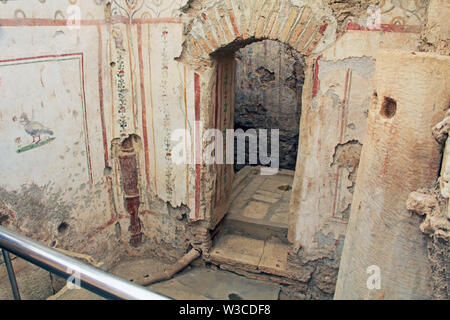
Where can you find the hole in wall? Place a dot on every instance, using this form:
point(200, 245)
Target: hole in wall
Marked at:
point(234, 296)
point(4, 220)
point(388, 107)
point(107, 171)
point(108, 11)
point(63, 228)
point(118, 230)
point(112, 64)
point(374, 98)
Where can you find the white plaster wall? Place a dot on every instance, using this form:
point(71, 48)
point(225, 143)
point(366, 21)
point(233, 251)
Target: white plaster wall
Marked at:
point(335, 116)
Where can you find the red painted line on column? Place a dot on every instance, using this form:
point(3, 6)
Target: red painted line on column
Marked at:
point(33, 22)
point(197, 145)
point(316, 85)
point(186, 132)
point(144, 105)
point(344, 104)
point(85, 118)
point(133, 102)
point(341, 135)
point(100, 94)
point(216, 110)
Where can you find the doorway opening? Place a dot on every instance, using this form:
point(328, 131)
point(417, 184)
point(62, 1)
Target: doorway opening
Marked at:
point(267, 87)
point(268, 95)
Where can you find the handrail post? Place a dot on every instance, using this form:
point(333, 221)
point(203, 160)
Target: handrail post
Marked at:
point(90, 278)
point(11, 275)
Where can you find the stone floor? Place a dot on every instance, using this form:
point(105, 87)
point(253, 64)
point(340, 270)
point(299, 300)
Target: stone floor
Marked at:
point(254, 236)
point(33, 282)
point(194, 283)
point(268, 256)
point(254, 239)
point(260, 204)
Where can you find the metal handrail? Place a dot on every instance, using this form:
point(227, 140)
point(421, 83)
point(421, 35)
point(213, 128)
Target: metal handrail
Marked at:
point(88, 277)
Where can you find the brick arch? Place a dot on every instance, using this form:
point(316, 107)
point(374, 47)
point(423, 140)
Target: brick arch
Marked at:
point(219, 29)
point(231, 24)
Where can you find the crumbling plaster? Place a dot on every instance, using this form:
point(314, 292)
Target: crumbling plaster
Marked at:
point(170, 85)
point(381, 232)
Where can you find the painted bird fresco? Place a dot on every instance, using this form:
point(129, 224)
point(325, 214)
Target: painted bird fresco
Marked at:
point(34, 128)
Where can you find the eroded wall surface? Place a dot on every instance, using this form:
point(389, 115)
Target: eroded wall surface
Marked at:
point(332, 134)
point(71, 94)
point(142, 68)
point(268, 93)
point(52, 153)
point(382, 233)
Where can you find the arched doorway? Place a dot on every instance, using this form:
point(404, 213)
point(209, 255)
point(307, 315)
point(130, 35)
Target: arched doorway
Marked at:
point(211, 42)
point(268, 83)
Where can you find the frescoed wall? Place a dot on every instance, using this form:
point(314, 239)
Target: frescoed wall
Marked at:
point(91, 92)
point(84, 88)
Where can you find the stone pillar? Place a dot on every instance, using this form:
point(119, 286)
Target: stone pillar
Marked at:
point(399, 156)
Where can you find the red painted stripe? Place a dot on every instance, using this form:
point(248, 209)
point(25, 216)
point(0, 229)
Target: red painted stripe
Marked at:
point(216, 111)
point(100, 94)
point(320, 33)
point(32, 22)
point(341, 135)
point(323, 27)
point(43, 57)
point(344, 104)
point(233, 23)
point(316, 85)
point(197, 145)
point(85, 119)
point(124, 19)
point(144, 105)
point(386, 28)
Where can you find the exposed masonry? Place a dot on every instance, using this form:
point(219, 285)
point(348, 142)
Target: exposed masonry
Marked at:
point(221, 28)
point(217, 27)
point(269, 83)
point(430, 204)
point(226, 25)
point(318, 274)
point(346, 156)
point(349, 10)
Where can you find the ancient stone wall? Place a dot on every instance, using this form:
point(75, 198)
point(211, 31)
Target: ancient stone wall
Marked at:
point(269, 82)
point(72, 94)
point(88, 82)
point(398, 156)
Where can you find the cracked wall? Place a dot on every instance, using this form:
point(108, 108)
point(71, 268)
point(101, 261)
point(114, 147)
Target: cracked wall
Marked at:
point(143, 68)
point(381, 232)
point(333, 124)
point(60, 182)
